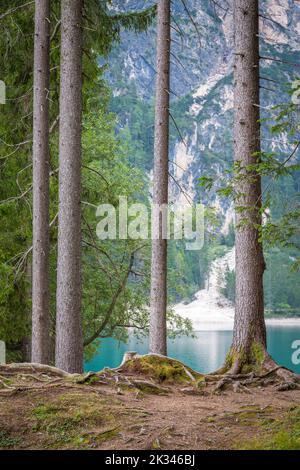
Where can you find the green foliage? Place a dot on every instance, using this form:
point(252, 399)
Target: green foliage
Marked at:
point(229, 289)
point(105, 28)
point(281, 283)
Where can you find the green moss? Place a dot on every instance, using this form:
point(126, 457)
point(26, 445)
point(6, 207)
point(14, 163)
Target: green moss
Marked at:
point(231, 358)
point(88, 379)
point(162, 369)
point(280, 441)
point(211, 419)
point(278, 434)
point(250, 362)
point(7, 440)
point(156, 445)
point(62, 420)
point(201, 382)
point(43, 412)
point(258, 354)
point(249, 417)
point(93, 439)
point(92, 380)
point(108, 435)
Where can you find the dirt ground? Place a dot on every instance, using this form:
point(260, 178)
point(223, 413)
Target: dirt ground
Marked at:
point(138, 408)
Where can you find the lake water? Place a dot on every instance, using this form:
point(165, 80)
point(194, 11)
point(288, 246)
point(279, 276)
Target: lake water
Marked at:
point(205, 353)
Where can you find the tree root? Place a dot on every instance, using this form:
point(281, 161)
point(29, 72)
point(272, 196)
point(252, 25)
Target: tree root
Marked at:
point(242, 382)
point(189, 374)
point(4, 385)
point(144, 385)
point(32, 367)
point(281, 371)
point(83, 379)
point(270, 373)
point(239, 387)
point(285, 386)
point(10, 391)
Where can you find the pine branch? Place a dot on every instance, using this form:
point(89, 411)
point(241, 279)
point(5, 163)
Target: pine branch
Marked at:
point(96, 172)
point(16, 198)
point(192, 21)
point(178, 60)
point(185, 193)
point(176, 164)
point(266, 88)
point(271, 19)
point(180, 31)
point(295, 64)
point(177, 128)
point(282, 165)
point(12, 10)
point(56, 28)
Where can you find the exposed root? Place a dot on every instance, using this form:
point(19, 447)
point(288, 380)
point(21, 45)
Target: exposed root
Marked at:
point(264, 371)
point(189, 374)
point(239, 387)
point(32, 367)
point(285, 386)
point(221, 371)
point(85, 378)
point(222, 384)
point(233, 381)
point(4, 385)
point(240, 382)
point(144, 385)
point(9, 391)
point(282, 372)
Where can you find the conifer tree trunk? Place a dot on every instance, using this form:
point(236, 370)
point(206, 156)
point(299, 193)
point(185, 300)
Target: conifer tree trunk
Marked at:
point(69, 341)
point(158, 302)
point(40, 252)
point(249, 337)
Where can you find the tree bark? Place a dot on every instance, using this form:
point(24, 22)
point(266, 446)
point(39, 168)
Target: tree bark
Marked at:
point(40, 250)
point(158, 302)
point(249, 334)
point(69, 340)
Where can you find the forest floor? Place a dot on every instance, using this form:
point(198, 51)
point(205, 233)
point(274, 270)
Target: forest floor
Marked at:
point(146, 404)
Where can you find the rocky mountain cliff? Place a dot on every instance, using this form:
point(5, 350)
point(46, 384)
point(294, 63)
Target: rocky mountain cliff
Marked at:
point(202, 94)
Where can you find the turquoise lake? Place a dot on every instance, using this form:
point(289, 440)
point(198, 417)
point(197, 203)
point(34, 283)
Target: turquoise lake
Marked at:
point(204, 353)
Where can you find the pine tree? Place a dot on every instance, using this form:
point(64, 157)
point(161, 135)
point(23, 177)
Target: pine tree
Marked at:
point(40, 230)
point(69, 342)
point(158, 334)
point(249, 336)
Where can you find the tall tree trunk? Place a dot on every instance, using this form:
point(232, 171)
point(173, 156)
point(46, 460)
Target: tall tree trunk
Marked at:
point(249, 337)
point(40, 252)
point(158, 334)
point(26, 349)
point(69, 341)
